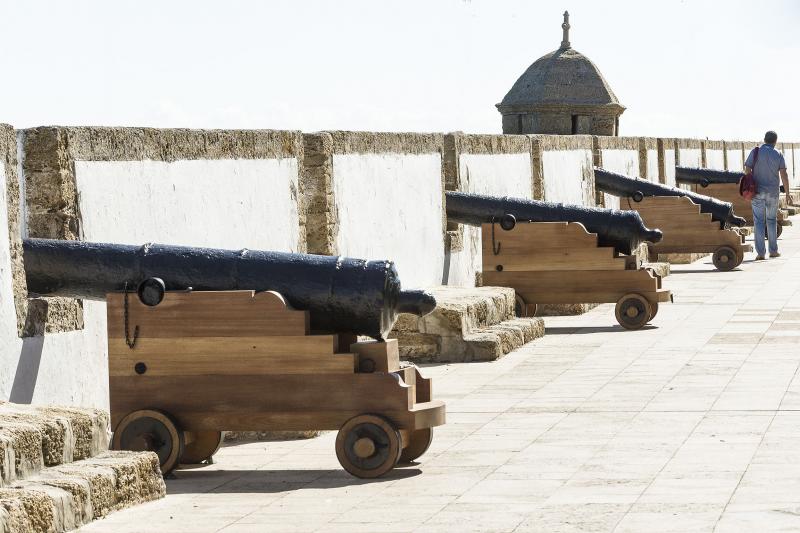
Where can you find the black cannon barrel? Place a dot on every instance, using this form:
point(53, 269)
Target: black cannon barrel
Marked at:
point(624, 230)
point(705, 176)
point(625, 187)
point(343, 295)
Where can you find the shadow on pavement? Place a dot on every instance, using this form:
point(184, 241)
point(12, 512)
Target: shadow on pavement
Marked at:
point(200, 480)
point(589, 329)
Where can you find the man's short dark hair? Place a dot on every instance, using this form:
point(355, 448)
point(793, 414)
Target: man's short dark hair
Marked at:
point(770, 137)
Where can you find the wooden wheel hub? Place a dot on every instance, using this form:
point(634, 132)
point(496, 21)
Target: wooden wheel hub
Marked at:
point(725, 258)
point(634, 311)
point(146, 442)
point(364, 447)
point(368, 446)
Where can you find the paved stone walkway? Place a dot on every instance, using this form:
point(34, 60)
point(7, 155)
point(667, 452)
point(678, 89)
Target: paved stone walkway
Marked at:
point(691, 425)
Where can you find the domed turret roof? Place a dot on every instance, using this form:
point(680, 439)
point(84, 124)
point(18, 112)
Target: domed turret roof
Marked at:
point(564, 77)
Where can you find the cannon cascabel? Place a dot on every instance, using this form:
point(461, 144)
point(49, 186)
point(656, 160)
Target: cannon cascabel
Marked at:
point(624, 230)
point(626, 187)
point(343, 295)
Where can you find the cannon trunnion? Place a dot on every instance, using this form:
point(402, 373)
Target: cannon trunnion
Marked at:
point(186, 364)
point(562, 262)
point(626, 187)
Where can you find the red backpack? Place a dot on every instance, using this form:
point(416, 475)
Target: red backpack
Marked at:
point(747, 183)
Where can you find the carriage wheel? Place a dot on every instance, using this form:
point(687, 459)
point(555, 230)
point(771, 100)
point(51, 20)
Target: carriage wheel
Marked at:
point(419, 442)
point(202, 445)
point(368, 446)
point(653, 310)
point(725, 258)
point(153, 431)
point(780, 230)
point(633, 311)
point(522, 309)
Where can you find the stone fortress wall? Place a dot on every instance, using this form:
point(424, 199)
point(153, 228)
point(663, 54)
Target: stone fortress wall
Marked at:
point(363, 194)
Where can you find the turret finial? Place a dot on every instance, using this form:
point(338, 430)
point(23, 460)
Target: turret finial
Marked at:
point(565, 27)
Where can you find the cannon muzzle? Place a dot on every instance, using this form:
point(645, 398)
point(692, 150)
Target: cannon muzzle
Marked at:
point(625, 187)
point(343, 295)
point(624, 230)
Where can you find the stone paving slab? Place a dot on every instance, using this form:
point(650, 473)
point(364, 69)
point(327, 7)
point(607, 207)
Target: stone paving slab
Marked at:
point(691, 424)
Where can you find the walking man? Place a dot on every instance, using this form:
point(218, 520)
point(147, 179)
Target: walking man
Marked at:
point(767, 164)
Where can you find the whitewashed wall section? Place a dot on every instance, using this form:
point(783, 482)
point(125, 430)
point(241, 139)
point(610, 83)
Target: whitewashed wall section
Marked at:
point(735, 158)
point(9, 342)
point(567, 176)
point(691, 157)
point(494, 175)
point(621, 161)
point(222, 203)
point(715, 158)
point(59, 368)
point(390, 206)
point(652, 165)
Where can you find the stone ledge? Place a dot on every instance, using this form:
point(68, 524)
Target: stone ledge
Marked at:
point(660, 268)
point(468, 324)
point(62, 498)
point(681, 259)
point(564, 309)
point(34, 437)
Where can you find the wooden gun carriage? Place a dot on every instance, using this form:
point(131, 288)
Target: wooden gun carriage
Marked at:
point(724, 185)
point(691, 223)
point(687, 230)
point(186, 365)
point(560, 261)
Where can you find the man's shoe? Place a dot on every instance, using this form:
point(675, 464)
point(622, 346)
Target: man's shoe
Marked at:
point(759, 258)
point(776, 254)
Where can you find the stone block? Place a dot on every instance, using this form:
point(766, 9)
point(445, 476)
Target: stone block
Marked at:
point(468, 324)
point(34, 437)
point(64, 497)
point(681, 259)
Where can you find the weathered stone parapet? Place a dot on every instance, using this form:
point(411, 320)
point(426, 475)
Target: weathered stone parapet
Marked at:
point(663, 146)
point(8, 158)
point(646, 144)
point(316, 186)
point(733, 147)
point(49, 157)
point(468, 324)
point(363, 142)
point(564, 142)
point(492, 144)
point(687, 144)
point(319, 178)
point(617, 143)
point(540, 144)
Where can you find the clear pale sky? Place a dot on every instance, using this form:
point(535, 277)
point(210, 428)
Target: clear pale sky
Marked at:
point(691, 68)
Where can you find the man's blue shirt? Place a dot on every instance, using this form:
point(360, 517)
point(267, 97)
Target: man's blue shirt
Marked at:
point(770, 161)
